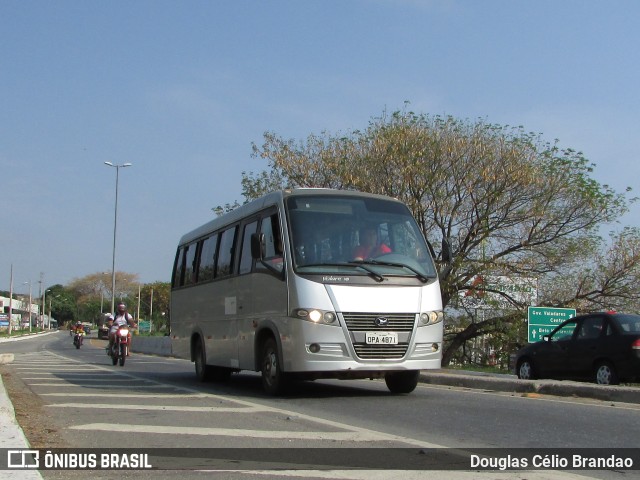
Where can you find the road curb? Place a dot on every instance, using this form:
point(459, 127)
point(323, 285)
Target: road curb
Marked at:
point(507, 383)
point(6, 358)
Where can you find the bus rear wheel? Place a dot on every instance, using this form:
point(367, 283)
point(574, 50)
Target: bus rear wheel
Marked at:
point(402, 382)
point(274, 380)
point(203, 372)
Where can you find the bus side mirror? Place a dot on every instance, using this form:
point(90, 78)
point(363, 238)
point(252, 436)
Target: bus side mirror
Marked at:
point(257, 245)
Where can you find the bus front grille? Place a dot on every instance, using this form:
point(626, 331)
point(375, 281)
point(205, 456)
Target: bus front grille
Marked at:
point(396, 322)
point(359, 323)
point(372, 352)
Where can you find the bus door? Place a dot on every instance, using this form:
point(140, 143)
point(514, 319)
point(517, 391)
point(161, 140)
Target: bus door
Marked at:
point(262, 291)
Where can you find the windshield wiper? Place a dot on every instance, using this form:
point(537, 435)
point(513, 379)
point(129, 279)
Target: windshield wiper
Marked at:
point(420, 276)
point(377, 277)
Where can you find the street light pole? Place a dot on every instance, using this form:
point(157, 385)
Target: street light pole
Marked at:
point(49, 317)
point(41, 300)
point(44, 297)
point(29, 308)
point(115, 224)
point(102, 295)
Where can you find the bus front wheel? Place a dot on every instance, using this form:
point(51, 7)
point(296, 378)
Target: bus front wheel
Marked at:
point(274, 380)
point(402, 382)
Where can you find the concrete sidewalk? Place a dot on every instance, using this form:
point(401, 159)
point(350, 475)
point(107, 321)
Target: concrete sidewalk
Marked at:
point(11, 435)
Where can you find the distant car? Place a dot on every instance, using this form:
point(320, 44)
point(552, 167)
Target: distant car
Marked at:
point(602, 347)
point(103, 331)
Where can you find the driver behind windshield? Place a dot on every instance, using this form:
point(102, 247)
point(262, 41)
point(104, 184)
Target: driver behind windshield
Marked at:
point(370, 245)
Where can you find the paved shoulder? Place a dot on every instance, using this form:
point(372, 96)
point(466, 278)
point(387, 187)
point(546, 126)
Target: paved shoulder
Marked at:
point(12, 437)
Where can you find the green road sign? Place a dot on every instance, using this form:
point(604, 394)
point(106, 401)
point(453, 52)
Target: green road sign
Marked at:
point(144, 326)
point(543, 320)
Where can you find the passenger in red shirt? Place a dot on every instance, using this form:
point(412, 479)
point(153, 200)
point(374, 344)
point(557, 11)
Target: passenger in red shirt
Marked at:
point(370, 246)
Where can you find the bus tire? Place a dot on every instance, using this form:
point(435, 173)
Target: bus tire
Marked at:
point(402, 382)
point(203, 372)
point(274, 380)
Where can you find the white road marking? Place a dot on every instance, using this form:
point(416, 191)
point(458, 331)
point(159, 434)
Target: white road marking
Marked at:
point(105, 385)
point(173, 408)
point(348, 436)
point(125, 395)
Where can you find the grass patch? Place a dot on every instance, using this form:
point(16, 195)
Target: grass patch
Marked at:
point(21, 332)
point(478, 368)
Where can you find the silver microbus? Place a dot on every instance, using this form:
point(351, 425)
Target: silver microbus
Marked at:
point(308, 284)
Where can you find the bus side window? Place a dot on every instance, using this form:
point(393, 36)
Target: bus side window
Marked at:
point(208, 258)
point(246, 261)
point(224, 265)
point(272, 236)
point(270, 229)
point(179, 268)
point(190, 266)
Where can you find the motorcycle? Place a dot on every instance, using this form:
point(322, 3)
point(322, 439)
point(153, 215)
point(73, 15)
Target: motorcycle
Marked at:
point(120, 347)
point(77, 339)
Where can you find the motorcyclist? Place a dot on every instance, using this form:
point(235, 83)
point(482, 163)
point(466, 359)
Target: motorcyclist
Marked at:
point(78, 329)
point(122, 317)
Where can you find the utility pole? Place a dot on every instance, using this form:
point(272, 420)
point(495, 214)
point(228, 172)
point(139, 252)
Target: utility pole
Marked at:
point(41, 307)
point(10, 299)
point(151, 311)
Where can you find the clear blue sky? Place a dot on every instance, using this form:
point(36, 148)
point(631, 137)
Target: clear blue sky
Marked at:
point(182, 89)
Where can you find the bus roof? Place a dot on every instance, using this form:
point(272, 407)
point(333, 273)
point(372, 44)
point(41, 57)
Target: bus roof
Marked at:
point(270, 199)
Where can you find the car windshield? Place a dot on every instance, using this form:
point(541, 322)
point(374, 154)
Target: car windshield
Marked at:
point(356, 236)
point(565, 332)
point(629, 323)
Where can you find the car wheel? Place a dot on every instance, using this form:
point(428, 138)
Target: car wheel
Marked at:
point(525, 370)
point(606, 374)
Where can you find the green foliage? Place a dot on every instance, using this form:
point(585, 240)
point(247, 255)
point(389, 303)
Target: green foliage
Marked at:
point(86, 298)
point(221, 210)
point(64, 307)
point(99, 285)
point(154, 304)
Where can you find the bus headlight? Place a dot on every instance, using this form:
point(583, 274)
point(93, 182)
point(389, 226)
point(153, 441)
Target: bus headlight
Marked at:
point(315, 315)
point(429, 318)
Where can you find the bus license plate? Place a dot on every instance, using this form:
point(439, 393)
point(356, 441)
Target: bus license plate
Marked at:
point(382, 338)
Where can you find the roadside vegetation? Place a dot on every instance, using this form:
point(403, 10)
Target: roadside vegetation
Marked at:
point(88, 299)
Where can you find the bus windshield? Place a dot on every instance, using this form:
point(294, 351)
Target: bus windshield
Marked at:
point(356, 236)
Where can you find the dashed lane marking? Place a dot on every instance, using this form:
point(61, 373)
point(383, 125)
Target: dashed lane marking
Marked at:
point(348, 436)
point(173, 408)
